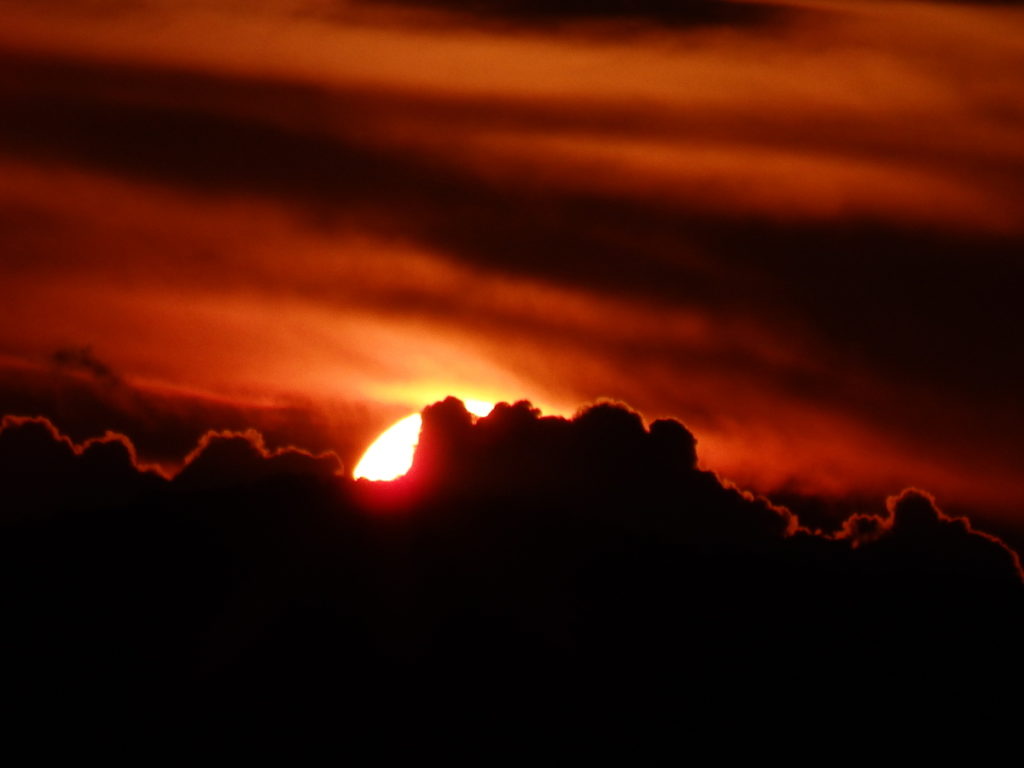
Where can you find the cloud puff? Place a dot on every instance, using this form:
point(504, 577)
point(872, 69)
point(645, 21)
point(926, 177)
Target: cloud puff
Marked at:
point(234, 459)
point(43, 473)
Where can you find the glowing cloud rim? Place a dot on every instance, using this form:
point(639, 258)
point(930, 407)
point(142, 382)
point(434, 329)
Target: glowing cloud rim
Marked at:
point(392, 452)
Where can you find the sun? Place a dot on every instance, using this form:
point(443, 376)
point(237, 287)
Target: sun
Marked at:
point(392, 452)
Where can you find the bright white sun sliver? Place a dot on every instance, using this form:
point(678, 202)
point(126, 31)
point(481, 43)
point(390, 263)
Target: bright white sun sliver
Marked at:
point(391, 454)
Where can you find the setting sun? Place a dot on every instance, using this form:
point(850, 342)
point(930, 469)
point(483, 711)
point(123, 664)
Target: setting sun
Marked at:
point(392, 452)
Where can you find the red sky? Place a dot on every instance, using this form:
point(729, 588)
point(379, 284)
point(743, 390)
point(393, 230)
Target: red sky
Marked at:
point(799, 232)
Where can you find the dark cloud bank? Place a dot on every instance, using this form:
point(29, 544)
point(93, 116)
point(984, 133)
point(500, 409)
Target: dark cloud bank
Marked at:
point(527, 570)
point(667, 12)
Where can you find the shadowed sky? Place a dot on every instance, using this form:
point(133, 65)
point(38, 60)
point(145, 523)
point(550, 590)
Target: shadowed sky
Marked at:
point(796, 227)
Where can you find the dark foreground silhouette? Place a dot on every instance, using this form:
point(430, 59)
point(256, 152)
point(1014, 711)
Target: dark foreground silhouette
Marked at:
point(528, 573)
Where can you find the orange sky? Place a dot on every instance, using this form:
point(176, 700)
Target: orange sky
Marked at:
point(800, 236)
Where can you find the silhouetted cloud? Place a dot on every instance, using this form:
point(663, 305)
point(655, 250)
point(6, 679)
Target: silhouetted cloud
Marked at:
point(83, 359)
point(44, 473)
point(670, 12)
point(226, 460)
point(166, 423)
point(567, 567)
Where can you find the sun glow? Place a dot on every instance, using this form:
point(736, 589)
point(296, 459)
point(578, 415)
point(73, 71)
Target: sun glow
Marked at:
point(392, 452)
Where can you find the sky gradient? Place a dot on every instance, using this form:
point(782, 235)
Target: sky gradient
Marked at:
point(796, 227)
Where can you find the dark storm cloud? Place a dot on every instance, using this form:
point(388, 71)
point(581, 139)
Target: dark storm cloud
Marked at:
point(523, 558)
